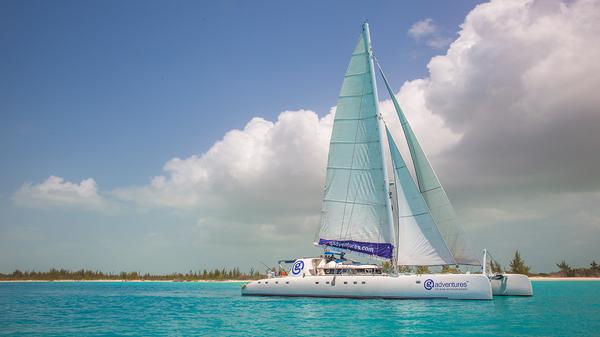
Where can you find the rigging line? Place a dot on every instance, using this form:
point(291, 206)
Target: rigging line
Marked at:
point(431, 189)
point(395, 213)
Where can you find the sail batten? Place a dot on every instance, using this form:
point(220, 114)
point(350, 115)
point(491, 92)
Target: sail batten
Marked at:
point(356, 212)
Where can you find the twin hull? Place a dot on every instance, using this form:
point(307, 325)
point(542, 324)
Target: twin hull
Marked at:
point(512, 285)
point(446, 286)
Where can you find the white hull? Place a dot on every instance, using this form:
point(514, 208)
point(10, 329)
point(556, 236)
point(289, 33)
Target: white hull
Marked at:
point(446, 286)
point(512, 285)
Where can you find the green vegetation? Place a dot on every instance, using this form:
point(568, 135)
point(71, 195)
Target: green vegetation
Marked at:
point(387, 267)
point(450, 270)
point(517, 265)
point(566, 270)
point(495, 267)
point(85, 275)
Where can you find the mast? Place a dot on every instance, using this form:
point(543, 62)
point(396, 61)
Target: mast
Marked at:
point(382, 136)
point(356, 213)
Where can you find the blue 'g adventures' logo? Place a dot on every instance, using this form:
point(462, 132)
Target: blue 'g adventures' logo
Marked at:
point(428, 284)
point(297, 268)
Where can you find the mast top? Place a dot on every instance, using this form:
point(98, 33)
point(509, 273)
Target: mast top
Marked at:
point(365, 27)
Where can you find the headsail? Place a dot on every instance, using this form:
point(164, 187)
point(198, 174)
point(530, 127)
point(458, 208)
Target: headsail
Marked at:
point(419, 240)
point(434, 194)
point(356, 214)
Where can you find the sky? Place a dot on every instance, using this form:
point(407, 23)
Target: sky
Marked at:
point(171, 136)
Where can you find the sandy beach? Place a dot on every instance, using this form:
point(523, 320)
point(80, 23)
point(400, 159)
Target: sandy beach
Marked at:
point(540, 278)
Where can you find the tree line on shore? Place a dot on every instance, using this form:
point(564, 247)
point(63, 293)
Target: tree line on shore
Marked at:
point(85, 275)
point(517, 266)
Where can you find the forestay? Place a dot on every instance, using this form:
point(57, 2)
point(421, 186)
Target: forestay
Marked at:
point(419, 240)
point(434, 194)
point(355, 213)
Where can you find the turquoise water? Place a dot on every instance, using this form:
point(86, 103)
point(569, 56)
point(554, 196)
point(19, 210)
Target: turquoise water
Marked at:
point(51, 308)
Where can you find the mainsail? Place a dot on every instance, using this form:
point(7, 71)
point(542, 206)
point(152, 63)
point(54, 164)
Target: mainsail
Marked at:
point(434, 194)
point(419, 240)
point(356, 211)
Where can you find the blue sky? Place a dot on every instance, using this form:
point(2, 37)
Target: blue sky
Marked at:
point(114, 90)
point(111, 89)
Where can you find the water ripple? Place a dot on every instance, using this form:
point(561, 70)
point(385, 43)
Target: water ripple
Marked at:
point(57, 308)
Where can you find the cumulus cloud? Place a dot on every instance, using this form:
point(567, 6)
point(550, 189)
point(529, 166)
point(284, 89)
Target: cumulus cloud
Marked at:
point(519, 85)
point(422, 28)
point(265, 161)
point(428, 31)
point(263, 182)
point(55, 191)
point(433, 133)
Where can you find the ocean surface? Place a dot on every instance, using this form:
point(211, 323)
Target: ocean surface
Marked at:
point(561, 308)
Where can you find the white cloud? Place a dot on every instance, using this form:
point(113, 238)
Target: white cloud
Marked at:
point(264, 182)
point(422, 28)
point(55, 191)
point(428, 31)
point(265, 162)
point(438, 42)
point(433, 134)
point(519, 85)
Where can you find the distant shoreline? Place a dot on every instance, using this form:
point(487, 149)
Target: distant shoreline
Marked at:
point(129, 281)
point(532, 278)
point(541, 278)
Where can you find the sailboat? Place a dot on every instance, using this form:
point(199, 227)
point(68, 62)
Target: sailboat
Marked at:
point(373, 208)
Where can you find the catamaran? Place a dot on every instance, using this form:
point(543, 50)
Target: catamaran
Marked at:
point(369, 212)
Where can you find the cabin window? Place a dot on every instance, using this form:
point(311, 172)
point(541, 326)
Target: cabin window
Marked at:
point(363, 282)
point(258, 282)
point(355, 282)
point(327, 282)
point(345, 282)
point(287, 282)
point(316, 282)
point(418, 282)
point(267, 282)
point(276, 282)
